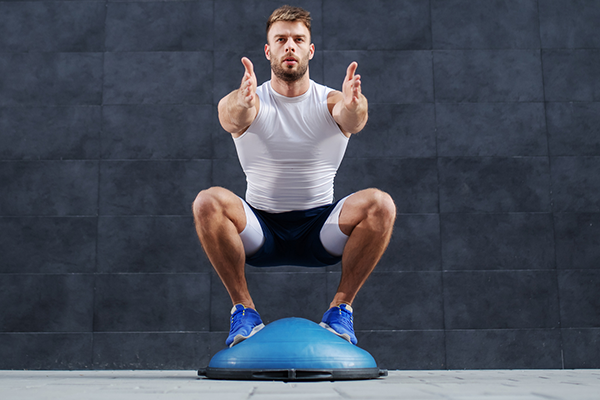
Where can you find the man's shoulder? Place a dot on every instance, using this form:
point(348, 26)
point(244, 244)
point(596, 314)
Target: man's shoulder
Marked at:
point(264, 86)
point(320, 87)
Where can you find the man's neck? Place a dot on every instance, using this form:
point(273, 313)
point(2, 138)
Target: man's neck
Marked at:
point(290, 89)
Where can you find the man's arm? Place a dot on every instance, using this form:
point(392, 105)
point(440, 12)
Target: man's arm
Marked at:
point(349, 107)
point(238, 109)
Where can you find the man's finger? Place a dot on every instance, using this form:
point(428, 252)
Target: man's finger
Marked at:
point(248, 65)
point(351, 69)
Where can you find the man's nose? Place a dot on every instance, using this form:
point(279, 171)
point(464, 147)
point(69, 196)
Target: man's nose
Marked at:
point(290, 45)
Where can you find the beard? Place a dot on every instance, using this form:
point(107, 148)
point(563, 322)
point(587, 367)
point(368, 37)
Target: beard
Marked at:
point(289, 74)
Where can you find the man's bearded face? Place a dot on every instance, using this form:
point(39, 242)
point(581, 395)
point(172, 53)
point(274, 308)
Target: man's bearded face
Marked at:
point(290, 67)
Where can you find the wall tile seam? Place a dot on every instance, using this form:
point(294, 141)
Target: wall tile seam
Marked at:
point(483, 271)
point(569, 48)
point(542, 48)
point(549, 149)
point(435, 49)
point(577, 156)
point(495, 213)
point(468, 102)
point(398, 330)
point(47, 273)
point(90, 216)
point(488, 49)
point(164, 159)
point(106, 159)
point(549, 271)
point(86, 1)
point(552, 329)
point(513, 157)
point(586, 328)
point(46, 105)
point(102, 274)
point(559, 213)
point(507, 102)
point(322, 50)
point(67, 105)
point(388, 158)
point(94, 332)
point(183, 216)
point(459, 157)
point(472, 156)
point(47, 333)
point(54, 160)
point(151, 273)
point(459, 330)
point(287, 272)
point(214, 103)
point(190, 215)
point(98, 105)
point(406, 214)
point(556, 270)
point(211, 51)
point(439, 236)
point(101, 215)
point(35, 52)
point(98, 159)
point(180, 104)
point(582, 328)
point(361, 331)
point(416, 213)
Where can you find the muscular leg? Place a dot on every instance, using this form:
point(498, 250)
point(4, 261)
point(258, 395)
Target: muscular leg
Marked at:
point(219, 218)
point(367, 217)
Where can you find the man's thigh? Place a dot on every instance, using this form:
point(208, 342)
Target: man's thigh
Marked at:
point(226, 201)
point(356, 208)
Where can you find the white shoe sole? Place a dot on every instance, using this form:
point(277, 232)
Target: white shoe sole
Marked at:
point(240, 338)
point(344, 336)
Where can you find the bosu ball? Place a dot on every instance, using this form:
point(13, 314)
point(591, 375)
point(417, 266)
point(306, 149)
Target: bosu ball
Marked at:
point(293, 349)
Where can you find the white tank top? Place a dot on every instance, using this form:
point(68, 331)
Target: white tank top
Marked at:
point(292, 151)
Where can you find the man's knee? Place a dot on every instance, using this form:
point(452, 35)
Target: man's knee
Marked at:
point(218, 204)
point(208, 202)
point(382, 207)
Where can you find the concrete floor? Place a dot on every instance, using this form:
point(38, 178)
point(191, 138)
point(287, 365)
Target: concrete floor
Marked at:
point(183, 385)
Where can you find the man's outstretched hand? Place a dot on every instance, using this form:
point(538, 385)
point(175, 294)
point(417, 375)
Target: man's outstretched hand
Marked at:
point(247, 93)
point(238, 109)
point(351, 88)
point(350, 107)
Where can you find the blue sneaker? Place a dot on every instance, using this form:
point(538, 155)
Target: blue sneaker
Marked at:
point(339, 321)
point(245, 322)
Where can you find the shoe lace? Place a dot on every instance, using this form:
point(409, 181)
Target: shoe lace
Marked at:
point(236, 319)
point(346, 319)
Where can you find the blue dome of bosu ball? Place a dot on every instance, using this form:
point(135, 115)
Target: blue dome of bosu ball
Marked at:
point(293, 349)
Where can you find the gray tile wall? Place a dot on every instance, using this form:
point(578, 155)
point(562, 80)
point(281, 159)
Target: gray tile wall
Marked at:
point(483, 126)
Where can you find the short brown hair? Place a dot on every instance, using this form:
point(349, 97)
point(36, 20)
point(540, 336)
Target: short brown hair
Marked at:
point(291, 14)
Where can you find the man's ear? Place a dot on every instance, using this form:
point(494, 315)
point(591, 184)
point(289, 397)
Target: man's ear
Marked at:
point(268, 52)
point(311, 53)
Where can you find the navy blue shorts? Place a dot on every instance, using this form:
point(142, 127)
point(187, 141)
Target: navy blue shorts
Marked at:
point(293, 238)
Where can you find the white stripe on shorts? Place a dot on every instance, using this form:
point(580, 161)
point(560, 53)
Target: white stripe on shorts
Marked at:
point(332, 237)
point(252, 236)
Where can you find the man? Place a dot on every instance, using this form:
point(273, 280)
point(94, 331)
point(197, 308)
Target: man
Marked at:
point(291, 134)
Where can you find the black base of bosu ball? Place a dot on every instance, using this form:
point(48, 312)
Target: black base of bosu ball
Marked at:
point(293, 349)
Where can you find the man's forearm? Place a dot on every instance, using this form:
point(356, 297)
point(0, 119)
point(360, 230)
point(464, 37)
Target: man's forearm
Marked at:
point(233, 116)
point(354, 120)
